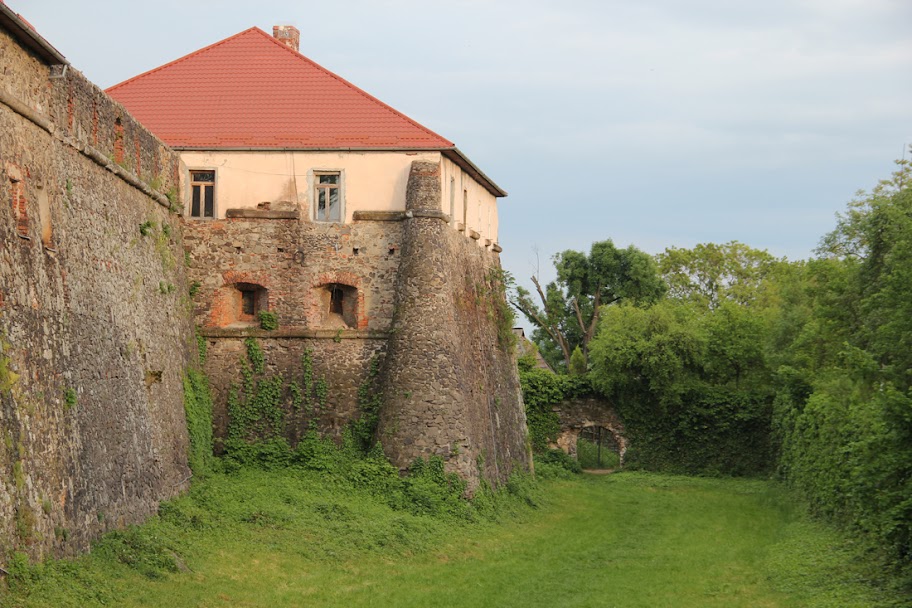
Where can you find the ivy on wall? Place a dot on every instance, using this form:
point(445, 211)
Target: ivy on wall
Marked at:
point(266, 413)
point(542, 390)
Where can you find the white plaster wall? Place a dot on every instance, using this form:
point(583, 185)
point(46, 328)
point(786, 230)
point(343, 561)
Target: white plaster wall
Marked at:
point(480, 210)
point(371, 181)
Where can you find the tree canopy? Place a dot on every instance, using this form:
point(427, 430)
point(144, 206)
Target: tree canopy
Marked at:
point(567, 310)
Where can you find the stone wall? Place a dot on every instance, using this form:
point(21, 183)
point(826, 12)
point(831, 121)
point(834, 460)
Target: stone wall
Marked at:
point(296, 263)
point(344, 363)
point(450, 383)
point(584, 412)
point(94, 317)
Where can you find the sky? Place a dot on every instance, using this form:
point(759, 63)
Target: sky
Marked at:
point(655, 123)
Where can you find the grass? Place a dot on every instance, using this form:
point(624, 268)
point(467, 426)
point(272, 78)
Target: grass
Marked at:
point(290, 537)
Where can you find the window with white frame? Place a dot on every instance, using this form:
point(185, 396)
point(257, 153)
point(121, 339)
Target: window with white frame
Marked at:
point(202, 194)
point(327, 196)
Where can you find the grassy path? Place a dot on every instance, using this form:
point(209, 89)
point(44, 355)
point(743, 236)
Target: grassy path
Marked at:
point(623, 540)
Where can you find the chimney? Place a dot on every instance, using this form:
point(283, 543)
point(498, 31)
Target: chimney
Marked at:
point(287, 35)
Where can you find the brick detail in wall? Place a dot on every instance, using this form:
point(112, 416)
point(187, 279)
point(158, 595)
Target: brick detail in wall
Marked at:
point(118, 141)
point(18, 199)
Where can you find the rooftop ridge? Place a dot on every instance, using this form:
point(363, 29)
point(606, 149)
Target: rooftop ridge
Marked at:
point(352, 86)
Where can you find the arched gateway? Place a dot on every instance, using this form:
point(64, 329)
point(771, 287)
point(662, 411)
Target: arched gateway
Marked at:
point(582, 413)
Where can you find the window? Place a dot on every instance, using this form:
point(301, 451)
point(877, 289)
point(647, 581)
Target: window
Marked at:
point(327, 197)
point(337, 297)
point(202, 192)
point(338, 306)
point(452, 200)
point(254, 298)
point(248, 302)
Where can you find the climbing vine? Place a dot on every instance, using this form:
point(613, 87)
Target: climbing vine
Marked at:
point(491, 294)
point(198, 410)
point(264, 410)
point(369, 402)
point(543, 389)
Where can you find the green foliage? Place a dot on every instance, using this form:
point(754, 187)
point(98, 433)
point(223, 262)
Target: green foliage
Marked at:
point(147, 228)
point(255, 355)
point(548, 460)
point(8, 378)
point(577, 363)
point(202, 347)
point(198, 411)
point(261, 406)
point(494, 293)
point(528, 359)
point(428, 489)
point(843, 415)
point(568, 309)
point(70, 398)
point(268, 320)
point(690, 384)
point(194, 288)
point(710, 274)
point(369, 402)
point(542, 390)
point(141, 551)
point(155, 183)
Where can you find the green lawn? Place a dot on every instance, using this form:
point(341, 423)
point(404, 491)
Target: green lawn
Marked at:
point(289, 538)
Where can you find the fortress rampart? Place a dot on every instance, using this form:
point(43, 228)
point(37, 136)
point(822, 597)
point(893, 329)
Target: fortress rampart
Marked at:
point(94, 318)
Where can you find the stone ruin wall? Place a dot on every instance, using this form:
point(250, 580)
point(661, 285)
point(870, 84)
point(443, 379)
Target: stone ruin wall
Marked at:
point(584, 412)
point(94, 316)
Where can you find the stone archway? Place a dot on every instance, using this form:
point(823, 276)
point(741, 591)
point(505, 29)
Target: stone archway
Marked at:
point(586, 412)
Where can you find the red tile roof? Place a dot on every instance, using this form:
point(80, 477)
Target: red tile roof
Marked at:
point(250, 90)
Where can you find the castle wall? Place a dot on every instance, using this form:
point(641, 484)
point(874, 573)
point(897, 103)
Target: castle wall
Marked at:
point(428, 305)
point(343, 363)
point(296, 262)
point(94, 318)
point(450, 382)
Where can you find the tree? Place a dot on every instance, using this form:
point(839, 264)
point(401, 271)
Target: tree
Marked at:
point(690, 383)
point(709, 273)
point(570, 307)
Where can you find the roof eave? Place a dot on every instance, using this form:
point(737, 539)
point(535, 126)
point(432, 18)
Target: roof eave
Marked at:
point(454, 154)
point(29, 37)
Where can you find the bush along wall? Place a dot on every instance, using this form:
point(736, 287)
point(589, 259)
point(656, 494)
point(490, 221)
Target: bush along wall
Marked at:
point(264, 407)
point(843, 415)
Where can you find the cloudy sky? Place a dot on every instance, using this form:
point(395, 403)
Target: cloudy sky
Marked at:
point(653, 123)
